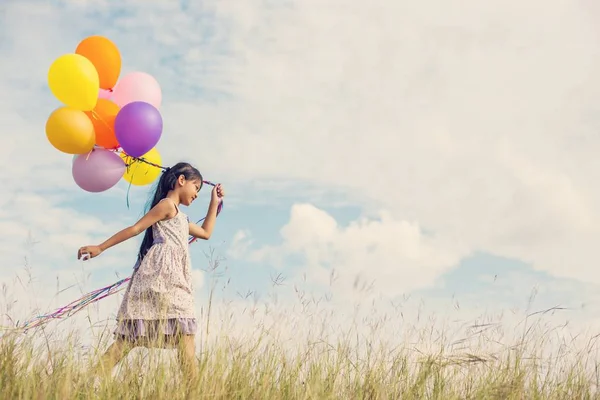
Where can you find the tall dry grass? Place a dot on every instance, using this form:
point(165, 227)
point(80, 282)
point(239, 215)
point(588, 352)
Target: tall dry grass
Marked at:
point(307, 350)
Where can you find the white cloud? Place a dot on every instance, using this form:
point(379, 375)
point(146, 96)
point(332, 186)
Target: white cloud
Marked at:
point(476, 124)
point(395, 256)
point(197, 279)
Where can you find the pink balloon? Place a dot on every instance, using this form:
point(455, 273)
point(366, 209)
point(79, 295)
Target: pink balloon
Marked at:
point(105, 94)
point(137, 86)
point(98, 171)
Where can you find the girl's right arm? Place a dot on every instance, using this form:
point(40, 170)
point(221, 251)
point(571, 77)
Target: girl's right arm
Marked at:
point(163, 210)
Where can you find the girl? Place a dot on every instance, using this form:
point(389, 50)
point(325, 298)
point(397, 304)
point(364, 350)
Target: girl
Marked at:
point(158, 306)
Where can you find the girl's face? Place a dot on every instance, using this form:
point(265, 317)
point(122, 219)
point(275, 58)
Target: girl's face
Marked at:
point(189, 191)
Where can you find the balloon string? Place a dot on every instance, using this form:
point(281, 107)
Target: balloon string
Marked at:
point(142, 159)
point(130, 160)
point(128, 190)
point(128, 166)
point(98, 117)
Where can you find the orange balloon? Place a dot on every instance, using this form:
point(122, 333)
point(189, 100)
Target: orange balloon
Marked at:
point(105, 56)
point(103, 117)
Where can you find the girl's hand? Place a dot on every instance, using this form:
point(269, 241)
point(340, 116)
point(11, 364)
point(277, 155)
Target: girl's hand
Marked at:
point(87, 252)
point(217, 193)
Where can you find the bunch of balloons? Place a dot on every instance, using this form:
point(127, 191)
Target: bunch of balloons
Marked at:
point(110, 126)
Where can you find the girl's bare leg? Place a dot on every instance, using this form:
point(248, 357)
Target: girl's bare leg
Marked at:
point(186, 352)
point(115, 353)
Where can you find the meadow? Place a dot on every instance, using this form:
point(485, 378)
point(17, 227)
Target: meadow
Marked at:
point(304, 347)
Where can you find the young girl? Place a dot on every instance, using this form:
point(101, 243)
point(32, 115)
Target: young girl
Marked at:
point(158, 305)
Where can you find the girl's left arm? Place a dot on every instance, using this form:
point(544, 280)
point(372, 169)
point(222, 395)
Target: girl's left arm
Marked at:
point(204, 231)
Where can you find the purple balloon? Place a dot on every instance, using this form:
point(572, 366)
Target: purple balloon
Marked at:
point(138, 128)
point(98, 171)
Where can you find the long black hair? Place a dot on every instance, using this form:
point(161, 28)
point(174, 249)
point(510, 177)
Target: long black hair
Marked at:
point(165, 184)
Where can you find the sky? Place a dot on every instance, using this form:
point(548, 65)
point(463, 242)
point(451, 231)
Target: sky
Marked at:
point(446, 153)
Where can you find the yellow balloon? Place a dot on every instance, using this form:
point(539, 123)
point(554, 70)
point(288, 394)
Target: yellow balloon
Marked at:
point(139, 173)
point(70, 131)
point(74, 81)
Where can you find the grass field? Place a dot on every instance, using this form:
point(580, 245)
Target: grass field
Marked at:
point(306, 351)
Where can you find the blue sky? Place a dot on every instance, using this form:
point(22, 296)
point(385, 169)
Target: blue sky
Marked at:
point(442, 153)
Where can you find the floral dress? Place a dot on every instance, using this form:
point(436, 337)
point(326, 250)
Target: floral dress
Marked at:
point(159, 299)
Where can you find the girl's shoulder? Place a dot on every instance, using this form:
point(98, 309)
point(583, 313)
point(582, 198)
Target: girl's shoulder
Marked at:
point(172, 204)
